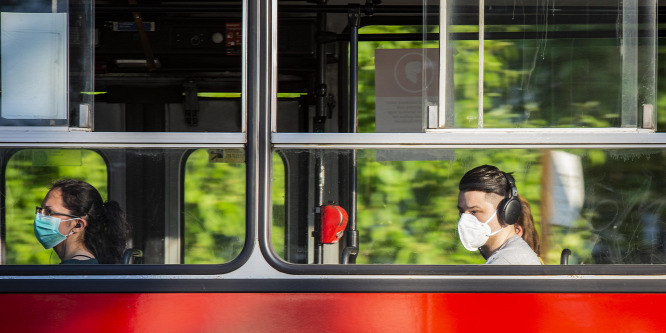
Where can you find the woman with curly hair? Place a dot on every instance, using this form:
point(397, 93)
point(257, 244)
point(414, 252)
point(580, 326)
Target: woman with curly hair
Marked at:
point(81, 228)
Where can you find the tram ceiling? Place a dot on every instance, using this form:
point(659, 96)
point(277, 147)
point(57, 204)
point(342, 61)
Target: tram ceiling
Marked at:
point(188, 17)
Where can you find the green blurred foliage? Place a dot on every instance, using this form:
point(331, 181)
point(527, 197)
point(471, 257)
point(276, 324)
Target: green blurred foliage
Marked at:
point(214, 209)
point(527, 83)
point(278, 196)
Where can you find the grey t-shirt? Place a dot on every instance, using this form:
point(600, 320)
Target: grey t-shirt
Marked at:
point(514, 251)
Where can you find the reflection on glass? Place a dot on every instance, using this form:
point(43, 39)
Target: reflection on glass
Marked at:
point(567, 82)
point(564, 65)
point(605, 206)
point(566, 76)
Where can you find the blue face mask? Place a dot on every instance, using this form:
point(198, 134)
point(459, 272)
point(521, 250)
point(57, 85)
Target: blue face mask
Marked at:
point(46, 230)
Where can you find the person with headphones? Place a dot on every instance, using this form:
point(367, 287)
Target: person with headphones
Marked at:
point(79, 225)
point(489, 207)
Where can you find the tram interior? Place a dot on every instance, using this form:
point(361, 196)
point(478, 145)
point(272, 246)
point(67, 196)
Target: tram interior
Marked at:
point(546, 65)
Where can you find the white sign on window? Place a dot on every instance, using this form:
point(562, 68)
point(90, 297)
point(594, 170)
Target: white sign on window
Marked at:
point(34, 65)
point(403, 79)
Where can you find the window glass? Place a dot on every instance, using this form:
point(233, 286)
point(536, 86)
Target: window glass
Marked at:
point(214, 212)
point(39, 83)
point(113, 70)
point(395, 81)
point(321, 72)
point(605, 206)
point(566, 65)
point(278, 196)
point(564, 76)
point(179, 72)
point(29, 174)
point(563, 65)
point(182, 206)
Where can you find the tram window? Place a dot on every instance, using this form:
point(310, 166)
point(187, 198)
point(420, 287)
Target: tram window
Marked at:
point(28, 175)
point(550, 74)
point(606, 206)
point(91, 65)
point(183, 206)
point(183, 73)
point(214, 206)
point(561, 66)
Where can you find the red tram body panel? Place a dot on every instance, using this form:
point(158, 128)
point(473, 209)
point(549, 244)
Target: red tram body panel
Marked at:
point(332, 312)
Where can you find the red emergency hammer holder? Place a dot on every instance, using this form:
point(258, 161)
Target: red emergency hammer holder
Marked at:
point(333, 223)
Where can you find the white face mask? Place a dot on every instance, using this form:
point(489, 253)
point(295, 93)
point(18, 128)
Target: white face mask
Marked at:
point(474, 233)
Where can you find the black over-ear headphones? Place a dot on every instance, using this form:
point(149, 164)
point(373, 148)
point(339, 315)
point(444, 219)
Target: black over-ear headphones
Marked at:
point(508, 210)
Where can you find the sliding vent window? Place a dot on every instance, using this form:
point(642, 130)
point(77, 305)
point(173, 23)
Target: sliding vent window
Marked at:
point(556, 65)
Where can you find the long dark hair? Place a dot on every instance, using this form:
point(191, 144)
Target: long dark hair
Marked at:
point(107, 229)
point(526, 221)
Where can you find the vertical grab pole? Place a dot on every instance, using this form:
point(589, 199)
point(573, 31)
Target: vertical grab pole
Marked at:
point(320, 176)
point(322, 89)
point(354, 15)
point(318, 127)
point(351, 250)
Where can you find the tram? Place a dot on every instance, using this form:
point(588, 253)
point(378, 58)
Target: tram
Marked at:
point(293, 166)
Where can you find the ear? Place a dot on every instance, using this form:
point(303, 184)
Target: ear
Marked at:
point(81, 224)
point(519, 229)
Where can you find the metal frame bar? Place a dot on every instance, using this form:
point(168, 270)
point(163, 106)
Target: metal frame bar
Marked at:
point(13, 138)
point(473, 138)
point(443, 69)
